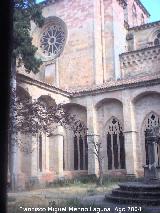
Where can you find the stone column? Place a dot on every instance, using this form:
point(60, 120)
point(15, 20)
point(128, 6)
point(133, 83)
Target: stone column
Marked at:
point(130, 135)
point(16, 175)
point(91, 136)
point(14, 167)
point(56, 152)
point(34, 154)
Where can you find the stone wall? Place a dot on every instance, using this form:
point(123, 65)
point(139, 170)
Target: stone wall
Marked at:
point(119, 36)
point(75, 65)
point(139, 11)
point(143, 36)
point(145, 104)
point(130, 108)
point(96, 41)
point(141, 62)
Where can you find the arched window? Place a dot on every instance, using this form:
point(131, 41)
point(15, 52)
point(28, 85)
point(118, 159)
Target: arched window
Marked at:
point(115, 145)
point(40, 153)
point(134, 15)
point(152, 120)
point(157, 39)
point(80, 150)
point(142, 19)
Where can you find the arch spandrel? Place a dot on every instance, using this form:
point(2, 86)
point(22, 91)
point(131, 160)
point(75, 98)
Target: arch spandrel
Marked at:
point(99, 103)
point(138, 96)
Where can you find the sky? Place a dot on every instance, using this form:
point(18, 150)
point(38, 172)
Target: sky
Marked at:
point(153, 7)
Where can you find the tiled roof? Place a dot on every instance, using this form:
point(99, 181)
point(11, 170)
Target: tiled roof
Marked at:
point(96, 89)
point(42, 84)
point(119, 84)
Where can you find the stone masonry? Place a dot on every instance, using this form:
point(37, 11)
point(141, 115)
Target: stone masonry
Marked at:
point(108, 75)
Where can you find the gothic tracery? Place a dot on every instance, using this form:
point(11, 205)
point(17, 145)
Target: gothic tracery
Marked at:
point(80, 150)
point(115, 145)
point(151, 121)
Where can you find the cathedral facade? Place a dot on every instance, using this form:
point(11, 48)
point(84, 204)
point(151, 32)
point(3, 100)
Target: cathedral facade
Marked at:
point(101, 59)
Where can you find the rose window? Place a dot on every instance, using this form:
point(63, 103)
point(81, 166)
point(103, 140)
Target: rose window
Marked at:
point(53, 40)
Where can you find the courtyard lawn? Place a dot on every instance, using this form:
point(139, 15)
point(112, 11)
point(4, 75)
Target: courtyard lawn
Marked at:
point(79, 192)
point(57, 194)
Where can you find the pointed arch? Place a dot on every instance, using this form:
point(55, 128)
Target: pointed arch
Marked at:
point(151, 120)
point(80, 150)
point(115, 144)
point(114, 121)
point(154, 37)
point(156, 40)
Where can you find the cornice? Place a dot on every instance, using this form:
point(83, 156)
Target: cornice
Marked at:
point(145, 26)
point(142, 7)
point(26, 79)
point(140, 50)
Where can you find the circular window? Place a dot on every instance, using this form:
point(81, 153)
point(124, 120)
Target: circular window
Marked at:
point(52, 40)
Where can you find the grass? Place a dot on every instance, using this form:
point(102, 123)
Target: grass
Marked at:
point(89, 182)
point(63, 193)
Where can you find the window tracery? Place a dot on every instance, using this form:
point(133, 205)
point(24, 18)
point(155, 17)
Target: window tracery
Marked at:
point(157, 39)
point(80, 150)
point(115, 145)
point(53, 38)
point(151, 121)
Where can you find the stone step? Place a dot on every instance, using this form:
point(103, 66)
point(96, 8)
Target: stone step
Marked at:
point(129, 200)
point(138, 186)
point(139, 194)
